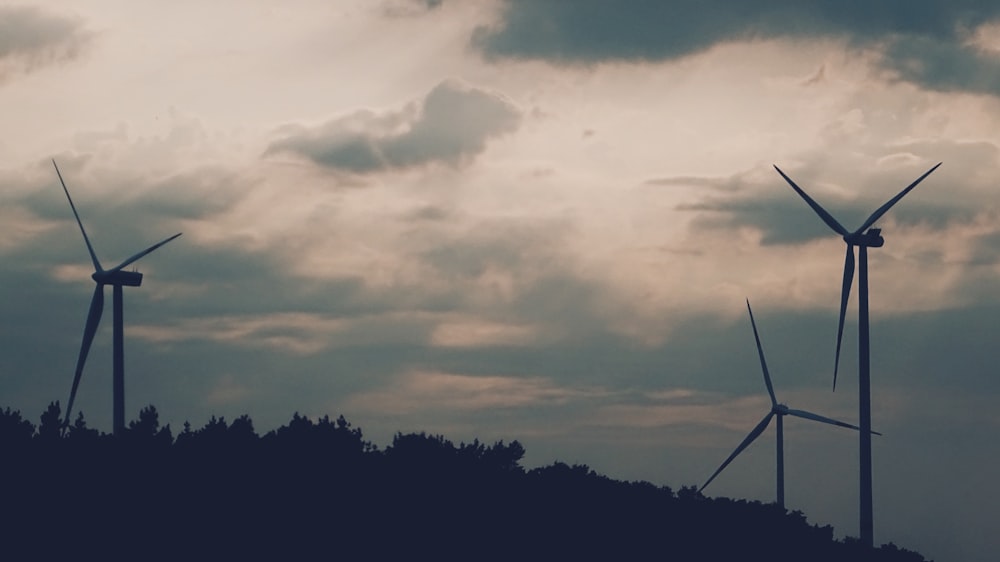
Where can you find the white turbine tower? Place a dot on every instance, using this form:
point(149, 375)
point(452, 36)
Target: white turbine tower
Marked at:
point(779, 411)
point(117, 278)
point(863, 240)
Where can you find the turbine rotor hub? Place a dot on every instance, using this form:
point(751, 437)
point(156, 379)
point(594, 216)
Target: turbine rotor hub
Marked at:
point(871, 239)
point(118, 277)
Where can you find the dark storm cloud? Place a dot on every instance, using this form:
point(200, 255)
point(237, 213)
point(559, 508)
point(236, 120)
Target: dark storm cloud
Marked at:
point(923, 40)
point(451, 126)
point(31, 38)
point(943, 65)
point(734, 202)
point(780, 219)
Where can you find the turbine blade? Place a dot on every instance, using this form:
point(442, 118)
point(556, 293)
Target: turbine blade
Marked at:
point(824, 419)
point(143, 253)
point(746, 442)
point(93, 256)
point(93, 320)
point(827, 217)
point(845, 293)
point(885, 208)
point(763, 363)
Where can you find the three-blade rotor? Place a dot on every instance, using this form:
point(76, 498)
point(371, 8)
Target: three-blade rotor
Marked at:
point(852, 239)
point(101, 277)
point(776, 409)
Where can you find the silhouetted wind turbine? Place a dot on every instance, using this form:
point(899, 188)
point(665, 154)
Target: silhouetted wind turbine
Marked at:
point(863, 240)
point(117, 278)
point(779, 410)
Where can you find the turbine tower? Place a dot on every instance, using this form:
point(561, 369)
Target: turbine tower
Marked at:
point(863, 238)
point(779, 411)
point(117, 278)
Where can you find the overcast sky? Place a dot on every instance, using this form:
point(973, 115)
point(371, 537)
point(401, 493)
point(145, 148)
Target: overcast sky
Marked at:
point(525, 219)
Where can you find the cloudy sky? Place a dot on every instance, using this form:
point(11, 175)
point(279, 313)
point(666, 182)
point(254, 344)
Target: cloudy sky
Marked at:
point(534, 220)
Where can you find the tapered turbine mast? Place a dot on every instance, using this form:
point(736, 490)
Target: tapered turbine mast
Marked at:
point(117, 278)
point(779, 411)
point(864, 237)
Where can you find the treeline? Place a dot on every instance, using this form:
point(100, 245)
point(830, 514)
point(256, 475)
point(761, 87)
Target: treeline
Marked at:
point(319, 490)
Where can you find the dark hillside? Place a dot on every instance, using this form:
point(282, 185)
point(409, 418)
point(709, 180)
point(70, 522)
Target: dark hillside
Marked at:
point(318, 490)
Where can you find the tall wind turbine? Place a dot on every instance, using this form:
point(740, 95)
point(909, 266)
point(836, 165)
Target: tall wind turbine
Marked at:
point(779, 411)
point(117, 278)
point(863, 238)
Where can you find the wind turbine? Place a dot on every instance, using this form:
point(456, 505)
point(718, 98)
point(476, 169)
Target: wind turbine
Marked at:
point(117, 278)
point(863, 238)
point(779, 411)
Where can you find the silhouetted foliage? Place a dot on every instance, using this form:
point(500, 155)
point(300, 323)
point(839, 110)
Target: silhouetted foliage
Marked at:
point(50, 428)
point(146, 431)
point(15, 431)
point(317, 489)
point(241, 430)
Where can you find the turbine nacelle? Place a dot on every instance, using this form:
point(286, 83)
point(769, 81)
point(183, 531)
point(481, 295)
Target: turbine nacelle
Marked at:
point(871, 239)
point(118, 277)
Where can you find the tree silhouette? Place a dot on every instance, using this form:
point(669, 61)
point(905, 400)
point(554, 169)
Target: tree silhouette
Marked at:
point(15, 431)
point(146, 430)
point(316, 489)
point(50, 428)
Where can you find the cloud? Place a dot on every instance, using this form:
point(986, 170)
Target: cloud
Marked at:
point(683, 407)
point(297, 333)
point(473, 333)
point(31, 39)
point(228, 390)
point(733, 183)
point(779, 219)
point(943, 65)
point(429, 213)
point(524, 277)
point(437, 391)
point(451, 127)
point(409, 8)
point(931, 43)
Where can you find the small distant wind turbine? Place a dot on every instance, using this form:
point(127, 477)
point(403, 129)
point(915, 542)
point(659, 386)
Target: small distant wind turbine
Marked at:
point(779, 411)
point(863, 240)
point(117, 278)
